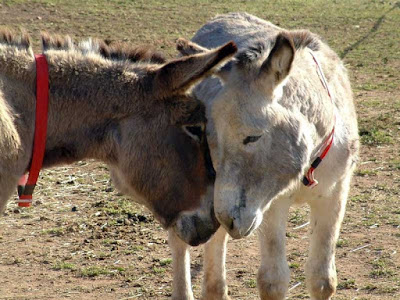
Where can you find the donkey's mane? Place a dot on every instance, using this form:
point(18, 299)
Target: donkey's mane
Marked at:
point(106, 49)
point(123, 51)
point(10, 38)
point(301, 39)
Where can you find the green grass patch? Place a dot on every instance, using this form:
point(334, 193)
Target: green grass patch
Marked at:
point(64, 266)
point(375, 137)
point(341, 243)
point(94, 271)
point(251, 283)
point(57, 231)
point(294, 265)
point(157, 270)
point(297, 217)
point(165, 262)
point(364, 173)
point(381, 268)
point(346, 284)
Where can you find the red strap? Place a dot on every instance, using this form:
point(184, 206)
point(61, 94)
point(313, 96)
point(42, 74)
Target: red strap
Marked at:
point(309, 179)
point(27, 184)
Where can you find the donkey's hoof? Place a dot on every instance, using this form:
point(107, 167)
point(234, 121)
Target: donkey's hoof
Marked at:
point(216, 297)
point(323, 289)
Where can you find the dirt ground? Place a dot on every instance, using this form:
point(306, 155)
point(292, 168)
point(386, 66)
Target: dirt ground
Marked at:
point(84, 240)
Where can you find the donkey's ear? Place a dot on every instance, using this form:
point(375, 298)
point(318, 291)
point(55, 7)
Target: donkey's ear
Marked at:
point(186, 47)
point(280, 58)
point(224, 72)
point(179, 75)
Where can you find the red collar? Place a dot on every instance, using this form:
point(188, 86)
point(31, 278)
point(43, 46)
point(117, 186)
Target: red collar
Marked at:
point(26, 184)
point(308, 179)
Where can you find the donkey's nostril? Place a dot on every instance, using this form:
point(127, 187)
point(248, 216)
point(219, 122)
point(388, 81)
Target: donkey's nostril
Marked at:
point(232, 224)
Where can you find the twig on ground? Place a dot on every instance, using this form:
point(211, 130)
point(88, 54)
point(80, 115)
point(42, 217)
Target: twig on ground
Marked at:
point(359, 248)
point(301, 226)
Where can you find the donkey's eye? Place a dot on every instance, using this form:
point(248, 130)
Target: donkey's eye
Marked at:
point(194, 131)
point(251, 139)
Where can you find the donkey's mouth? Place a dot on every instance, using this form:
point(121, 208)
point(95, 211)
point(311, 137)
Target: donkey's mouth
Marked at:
point(195, 229)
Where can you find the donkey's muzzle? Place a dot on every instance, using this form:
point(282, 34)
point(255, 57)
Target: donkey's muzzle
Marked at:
point(195, 228)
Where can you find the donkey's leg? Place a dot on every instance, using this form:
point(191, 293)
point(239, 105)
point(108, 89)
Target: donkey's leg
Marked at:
point(326, 217)
point(273, 274)
point(8, 186)
point(181, 286)
point(214, 282)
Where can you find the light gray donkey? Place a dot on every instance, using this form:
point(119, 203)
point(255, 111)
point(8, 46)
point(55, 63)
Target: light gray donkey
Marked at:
point(272, 117)
point(136, 117)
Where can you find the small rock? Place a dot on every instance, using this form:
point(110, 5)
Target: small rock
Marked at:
point(39, 18)
point(127, 222)
point(142, 218)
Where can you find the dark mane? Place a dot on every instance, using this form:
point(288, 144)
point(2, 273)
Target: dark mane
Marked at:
point(123, 51)
point(107, 49)
point(305, 39)
point(21, 40)
point(56, 42)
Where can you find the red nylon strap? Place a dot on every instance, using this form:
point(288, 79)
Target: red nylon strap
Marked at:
point(27, 184)
point(309, 179)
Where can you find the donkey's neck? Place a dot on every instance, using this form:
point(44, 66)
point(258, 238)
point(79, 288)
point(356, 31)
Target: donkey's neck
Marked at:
point(89, 96)
point(108, 88)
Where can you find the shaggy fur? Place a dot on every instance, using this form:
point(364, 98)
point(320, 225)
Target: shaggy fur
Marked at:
point(269, 119)
point(136, 117)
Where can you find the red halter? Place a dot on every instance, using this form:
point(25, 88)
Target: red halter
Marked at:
point(308, 179)
point(26, 185)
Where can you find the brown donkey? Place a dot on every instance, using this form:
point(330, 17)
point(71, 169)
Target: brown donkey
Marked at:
point(136, 117)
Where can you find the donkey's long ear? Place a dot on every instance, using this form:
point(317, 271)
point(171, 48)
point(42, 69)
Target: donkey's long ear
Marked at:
point(179, 75)
point(280, 58)
point(186, 47)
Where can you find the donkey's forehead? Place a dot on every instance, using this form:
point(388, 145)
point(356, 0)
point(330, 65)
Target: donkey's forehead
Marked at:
point(256, 52)
point(239, 115)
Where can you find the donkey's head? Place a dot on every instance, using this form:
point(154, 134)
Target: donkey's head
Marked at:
point(262, 146)
point(162, 155)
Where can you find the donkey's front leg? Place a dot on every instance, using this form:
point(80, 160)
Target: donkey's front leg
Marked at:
point(214, 282)
point(326, 218)
point(274, 274)
point(8, 185)
point(181, 286)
